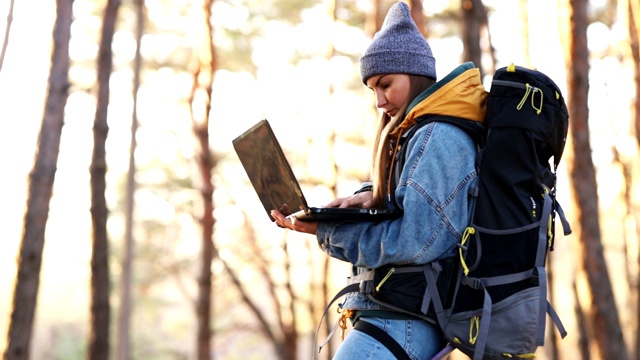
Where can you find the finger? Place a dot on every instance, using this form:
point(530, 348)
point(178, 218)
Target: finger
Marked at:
point(336, 203)
point(278, 217)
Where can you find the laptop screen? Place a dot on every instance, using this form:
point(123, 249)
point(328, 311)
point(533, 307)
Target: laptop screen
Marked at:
point(268, 170)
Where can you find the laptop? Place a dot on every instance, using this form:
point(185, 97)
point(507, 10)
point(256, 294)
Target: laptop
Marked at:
point(277, 187)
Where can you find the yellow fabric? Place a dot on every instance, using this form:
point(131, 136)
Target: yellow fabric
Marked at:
point(463, 97)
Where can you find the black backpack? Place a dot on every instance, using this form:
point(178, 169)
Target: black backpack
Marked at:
point(500, 301)
point(490, 300)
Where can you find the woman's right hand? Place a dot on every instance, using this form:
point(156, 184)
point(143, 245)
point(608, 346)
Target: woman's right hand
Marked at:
point(359, 200)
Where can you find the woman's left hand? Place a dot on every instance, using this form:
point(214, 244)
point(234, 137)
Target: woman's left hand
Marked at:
point(309, 227)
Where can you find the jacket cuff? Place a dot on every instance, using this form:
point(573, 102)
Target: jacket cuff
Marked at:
point(366, 186)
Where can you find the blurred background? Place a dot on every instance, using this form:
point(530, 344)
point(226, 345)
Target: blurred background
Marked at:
point(157, 247)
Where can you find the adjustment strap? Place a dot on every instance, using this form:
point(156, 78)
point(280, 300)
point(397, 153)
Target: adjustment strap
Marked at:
point(556, 320)
point(355, 287)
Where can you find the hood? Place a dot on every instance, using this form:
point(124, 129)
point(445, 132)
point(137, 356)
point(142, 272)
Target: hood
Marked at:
point(459, 94)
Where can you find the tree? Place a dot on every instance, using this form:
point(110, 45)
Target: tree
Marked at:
point(200, 101)
point(41, 181)
point(124, 318)
point(604, 319)
point(633, 19)
point(634, 45)
point(100, 310)
point(6, 34)
point(474, 20)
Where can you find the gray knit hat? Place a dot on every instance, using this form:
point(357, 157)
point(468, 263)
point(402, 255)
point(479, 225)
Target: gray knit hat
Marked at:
point(398, 48)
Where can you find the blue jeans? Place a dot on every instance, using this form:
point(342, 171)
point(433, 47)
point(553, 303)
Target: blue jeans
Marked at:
point(418, 338)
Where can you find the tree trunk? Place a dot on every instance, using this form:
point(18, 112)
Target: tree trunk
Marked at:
point(7, 30)
point(202, 89)
point(634, 39)
point(100, 310)
point(417, 14)
point(633, 18)
point(604, 315)
point(124, 318)
point(41, 181)
point(583, 332)
point(473, 15)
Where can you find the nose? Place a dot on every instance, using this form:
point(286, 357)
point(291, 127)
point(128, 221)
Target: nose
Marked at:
point(381, 100)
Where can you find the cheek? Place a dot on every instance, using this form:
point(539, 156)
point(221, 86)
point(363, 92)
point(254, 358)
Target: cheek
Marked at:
point(399, 97)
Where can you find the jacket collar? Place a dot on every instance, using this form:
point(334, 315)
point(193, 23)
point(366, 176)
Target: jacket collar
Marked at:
point(459, 94)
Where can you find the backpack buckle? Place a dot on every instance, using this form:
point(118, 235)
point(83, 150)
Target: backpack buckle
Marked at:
point(473, 283)
point(366, 286)
point(535, 279)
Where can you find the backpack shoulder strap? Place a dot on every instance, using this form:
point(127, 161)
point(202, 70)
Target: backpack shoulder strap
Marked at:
point(474, 129)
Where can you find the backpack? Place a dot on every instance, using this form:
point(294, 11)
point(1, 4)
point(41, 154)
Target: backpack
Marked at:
point(490, 300)
point(500, 300)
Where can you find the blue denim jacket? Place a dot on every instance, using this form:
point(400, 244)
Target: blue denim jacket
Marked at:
point(433, 194)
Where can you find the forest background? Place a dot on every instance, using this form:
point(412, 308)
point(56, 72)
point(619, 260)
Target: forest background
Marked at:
point(294, 62)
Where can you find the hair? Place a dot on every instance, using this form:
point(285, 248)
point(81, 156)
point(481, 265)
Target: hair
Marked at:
point(382, 156)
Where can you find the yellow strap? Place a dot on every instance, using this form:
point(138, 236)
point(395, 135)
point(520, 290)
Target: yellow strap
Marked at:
point(524, 98)
point(385, 278)
point(533, 96)
point(474, 329)
point(528, 90)
point(511, 67)
point(465, 236)
point(520, 356)
point(526, 356)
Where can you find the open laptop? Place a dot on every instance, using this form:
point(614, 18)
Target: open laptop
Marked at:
point(277, 187)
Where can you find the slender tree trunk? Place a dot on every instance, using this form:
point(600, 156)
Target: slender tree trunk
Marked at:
point(583, 332)
point(7, 30)
point(417, 14)
point(41, 182)
point(633, 18)
point(100, 286)
point(604, 315)
point(473, 15)
point(332, 7)
point(124, 318)
point(634, 39)
point(202, 89)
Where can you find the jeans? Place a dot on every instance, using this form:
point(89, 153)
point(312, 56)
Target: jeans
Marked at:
point(420, 339)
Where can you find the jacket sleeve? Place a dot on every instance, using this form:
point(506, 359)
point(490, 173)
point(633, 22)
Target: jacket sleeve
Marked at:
point(433, 192)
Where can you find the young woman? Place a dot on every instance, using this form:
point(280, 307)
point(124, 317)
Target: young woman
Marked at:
point(431, 188)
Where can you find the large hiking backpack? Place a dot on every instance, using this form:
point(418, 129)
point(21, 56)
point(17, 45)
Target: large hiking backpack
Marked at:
point(490, 300)
point(500, 304)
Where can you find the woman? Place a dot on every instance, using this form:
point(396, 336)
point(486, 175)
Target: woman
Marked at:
point(431, 188)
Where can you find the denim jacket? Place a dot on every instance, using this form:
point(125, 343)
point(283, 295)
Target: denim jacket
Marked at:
point(432, 190)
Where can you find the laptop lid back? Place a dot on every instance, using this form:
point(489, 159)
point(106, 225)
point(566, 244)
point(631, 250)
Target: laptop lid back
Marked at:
point(268, 170)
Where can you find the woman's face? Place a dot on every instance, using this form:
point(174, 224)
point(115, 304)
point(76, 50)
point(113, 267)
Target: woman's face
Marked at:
point(391, 91)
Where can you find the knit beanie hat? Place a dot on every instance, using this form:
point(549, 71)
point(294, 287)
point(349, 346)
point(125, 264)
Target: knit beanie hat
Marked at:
point(398, 48)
